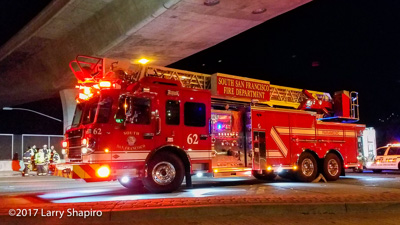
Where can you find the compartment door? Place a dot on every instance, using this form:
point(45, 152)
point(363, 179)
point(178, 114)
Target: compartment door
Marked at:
point(259, 159)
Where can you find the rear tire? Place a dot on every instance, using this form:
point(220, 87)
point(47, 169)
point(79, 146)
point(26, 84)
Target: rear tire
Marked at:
point(332, 167)
point(308, 168)
point(266, 176)
point(165, 173)
point(377, 171)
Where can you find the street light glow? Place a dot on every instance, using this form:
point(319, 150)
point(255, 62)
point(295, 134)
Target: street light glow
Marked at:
point(30, 110)
point(143, 61)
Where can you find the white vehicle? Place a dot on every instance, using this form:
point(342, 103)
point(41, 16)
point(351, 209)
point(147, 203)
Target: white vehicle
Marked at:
point(387, 158)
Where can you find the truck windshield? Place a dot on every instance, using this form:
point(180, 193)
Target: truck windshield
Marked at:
point(78, 114)
point(90, 112)
point(104, 110)
point(86, 112)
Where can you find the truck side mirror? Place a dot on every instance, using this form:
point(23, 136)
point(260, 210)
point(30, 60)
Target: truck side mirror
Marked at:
point(120, 116)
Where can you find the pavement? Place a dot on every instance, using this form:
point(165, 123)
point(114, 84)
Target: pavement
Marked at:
point(15, 173)
point(139, 211)
point(320, 199)
point(11, 173)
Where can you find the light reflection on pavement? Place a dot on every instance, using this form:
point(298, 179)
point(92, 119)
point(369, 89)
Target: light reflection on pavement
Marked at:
point(103, 196)
point(115, 192)
point(60, 190)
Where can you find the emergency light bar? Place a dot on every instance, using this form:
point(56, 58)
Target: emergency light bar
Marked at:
point(105, 84)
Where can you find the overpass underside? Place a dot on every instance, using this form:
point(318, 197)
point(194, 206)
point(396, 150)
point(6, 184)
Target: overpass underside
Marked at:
point(34, 63)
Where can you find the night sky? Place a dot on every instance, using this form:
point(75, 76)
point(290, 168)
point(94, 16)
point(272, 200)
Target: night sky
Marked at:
point(324, 46)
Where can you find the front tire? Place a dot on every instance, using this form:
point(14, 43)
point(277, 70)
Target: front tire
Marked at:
point(308, 168)
point(332, 167)
point(165, 173)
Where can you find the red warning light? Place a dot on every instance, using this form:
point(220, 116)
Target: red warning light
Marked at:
point(315, 64)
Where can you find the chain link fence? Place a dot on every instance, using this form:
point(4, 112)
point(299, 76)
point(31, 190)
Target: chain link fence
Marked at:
point(6, 146)
point(11, 144)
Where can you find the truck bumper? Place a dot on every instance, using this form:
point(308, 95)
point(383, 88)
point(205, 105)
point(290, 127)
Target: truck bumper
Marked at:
point(87, 172)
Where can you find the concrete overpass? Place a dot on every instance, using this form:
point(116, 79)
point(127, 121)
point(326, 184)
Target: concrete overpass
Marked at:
point(34, 63)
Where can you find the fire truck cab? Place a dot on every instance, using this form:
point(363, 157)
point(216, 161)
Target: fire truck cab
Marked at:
point(155, 126)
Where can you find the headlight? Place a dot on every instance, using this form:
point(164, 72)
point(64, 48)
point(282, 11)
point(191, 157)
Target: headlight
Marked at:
point(86, 151)
point(125, 179)
point(84, 141)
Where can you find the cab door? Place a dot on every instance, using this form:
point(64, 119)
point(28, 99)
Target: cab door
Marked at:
point(196, 117)
point(170, 114)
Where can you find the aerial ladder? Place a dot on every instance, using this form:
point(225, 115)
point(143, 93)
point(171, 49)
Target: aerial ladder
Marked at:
point(90, 71)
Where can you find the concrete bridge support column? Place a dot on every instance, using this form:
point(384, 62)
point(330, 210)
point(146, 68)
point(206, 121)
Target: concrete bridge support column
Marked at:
point(68, 104)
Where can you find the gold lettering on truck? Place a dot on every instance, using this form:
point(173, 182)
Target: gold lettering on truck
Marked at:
point(242, 87)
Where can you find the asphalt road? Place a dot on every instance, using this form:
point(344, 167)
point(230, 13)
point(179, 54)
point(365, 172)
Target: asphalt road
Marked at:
point(61, 190)
point(49, 192)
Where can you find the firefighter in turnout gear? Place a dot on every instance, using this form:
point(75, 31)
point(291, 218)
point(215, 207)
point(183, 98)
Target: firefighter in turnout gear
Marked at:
point(46, 150)
point(55, 159)
point(47, 154)
point(40, 161)
point(33, 151)
point(27, 157)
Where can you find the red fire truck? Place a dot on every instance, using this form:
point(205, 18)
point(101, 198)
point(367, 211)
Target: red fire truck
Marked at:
point(155, 126)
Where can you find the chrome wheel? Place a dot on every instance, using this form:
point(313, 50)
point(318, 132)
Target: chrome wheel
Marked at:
point(163, 173)
point(333, 167)
point(307, 167)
